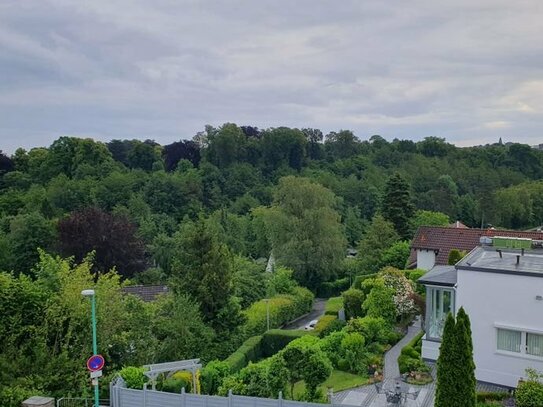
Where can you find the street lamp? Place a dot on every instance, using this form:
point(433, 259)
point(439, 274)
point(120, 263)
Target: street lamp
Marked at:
point(90, 293)
point(267, 312)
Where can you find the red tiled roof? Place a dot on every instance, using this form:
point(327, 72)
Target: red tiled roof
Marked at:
point(146, 292)
point(444, 239)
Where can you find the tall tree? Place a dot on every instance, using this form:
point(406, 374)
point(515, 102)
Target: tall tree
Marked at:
point(305, 230)
point(112, 238)
point(446, 391)
point(397, 206)
point(180, 150)
point(466, 364)
point(202, 267)
point(379, 237)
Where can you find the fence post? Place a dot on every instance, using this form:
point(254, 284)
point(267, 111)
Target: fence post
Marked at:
point(280, 398)
point(331, 395)
point(144, 394)
point(230, 398)
point(183, 397)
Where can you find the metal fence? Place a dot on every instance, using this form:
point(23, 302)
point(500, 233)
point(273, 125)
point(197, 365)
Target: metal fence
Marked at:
point(80, 402)
point(123, 397)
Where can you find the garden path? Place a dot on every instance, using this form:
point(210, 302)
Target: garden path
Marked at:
point(367, 396)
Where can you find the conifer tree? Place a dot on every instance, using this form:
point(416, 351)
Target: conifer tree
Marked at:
point(397, 206)
point(466, 377)
point(447, 367)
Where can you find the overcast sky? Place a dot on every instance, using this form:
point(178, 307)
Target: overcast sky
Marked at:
point(467, 70)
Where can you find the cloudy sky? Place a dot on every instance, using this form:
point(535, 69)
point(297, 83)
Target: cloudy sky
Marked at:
point(467, 70)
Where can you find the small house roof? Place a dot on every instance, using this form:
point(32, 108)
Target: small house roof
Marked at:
point(443, 239)
point(440, 275)
point(147, 293)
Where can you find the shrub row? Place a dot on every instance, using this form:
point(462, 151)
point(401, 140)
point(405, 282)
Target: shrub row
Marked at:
point(283, 308)
point(333, 305)
point(333, 288)
point(261, 346)
point(276, 339)
point(249, 351)
point(410, 358)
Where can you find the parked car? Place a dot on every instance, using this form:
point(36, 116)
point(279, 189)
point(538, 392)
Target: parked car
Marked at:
point(311, 325)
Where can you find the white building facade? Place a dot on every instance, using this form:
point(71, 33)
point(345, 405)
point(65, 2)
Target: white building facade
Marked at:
point(502, 292)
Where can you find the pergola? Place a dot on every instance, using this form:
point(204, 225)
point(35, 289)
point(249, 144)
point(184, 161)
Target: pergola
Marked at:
point(169, 368)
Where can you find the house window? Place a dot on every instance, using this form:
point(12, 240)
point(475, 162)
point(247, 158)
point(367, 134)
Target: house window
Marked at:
point(509, 340)
point(534, 344)
point(441, 302)
point(521, 342)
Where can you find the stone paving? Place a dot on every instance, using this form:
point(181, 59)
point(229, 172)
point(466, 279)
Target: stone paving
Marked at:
point(367, 396)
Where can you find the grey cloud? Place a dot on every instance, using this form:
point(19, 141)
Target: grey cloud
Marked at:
point(468, 71)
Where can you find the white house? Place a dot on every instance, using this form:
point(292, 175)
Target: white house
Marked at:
point(500, 285)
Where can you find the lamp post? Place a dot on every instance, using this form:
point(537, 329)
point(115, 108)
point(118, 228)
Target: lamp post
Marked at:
point(90, 293)
point(267, 312)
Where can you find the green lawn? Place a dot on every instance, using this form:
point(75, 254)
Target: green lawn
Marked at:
point(338, 380)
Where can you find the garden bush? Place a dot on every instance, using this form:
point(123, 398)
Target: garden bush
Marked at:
point(324, 322)
point(333, 306)
point(133, 377)
point(410, 359)
point(334, 326)
point(212, 376)
point(358, 280)
point(374, 330)
point(249, 351)
point(333, 288)
point(529, 393)
point(178, 381)
point(352, 302)
point(492, 396)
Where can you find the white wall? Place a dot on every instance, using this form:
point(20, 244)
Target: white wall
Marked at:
point(426, 259)
point(492, 299)
point(430, 349)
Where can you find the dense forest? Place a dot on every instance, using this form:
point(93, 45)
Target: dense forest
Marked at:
point(203, 216)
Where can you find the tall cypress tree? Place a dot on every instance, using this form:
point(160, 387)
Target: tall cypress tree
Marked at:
point(397, 206)
point(466, 377)
point(447, 366)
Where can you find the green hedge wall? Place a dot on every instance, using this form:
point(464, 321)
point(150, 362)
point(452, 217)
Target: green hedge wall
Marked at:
point(283, 308)
point(261, 346)
point(249, 351)
point(276, 339)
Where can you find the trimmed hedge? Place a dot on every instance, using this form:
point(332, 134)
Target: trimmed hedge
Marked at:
point(333, 305)
point(324, 322)
point(249, 351)
point(276, 339)
point(333, 288)
point(283, 308)
point(261, 346)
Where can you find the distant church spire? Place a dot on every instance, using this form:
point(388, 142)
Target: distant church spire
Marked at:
point(500, 142)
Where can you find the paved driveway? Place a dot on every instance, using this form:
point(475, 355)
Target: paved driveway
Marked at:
point(316, 312)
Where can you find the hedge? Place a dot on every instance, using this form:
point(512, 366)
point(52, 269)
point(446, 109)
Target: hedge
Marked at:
point(333, 288)
point(249, 351)
point(276, 339)
point(283, 308)
point(261, 346)
point(324, 322)
point(333, 305)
